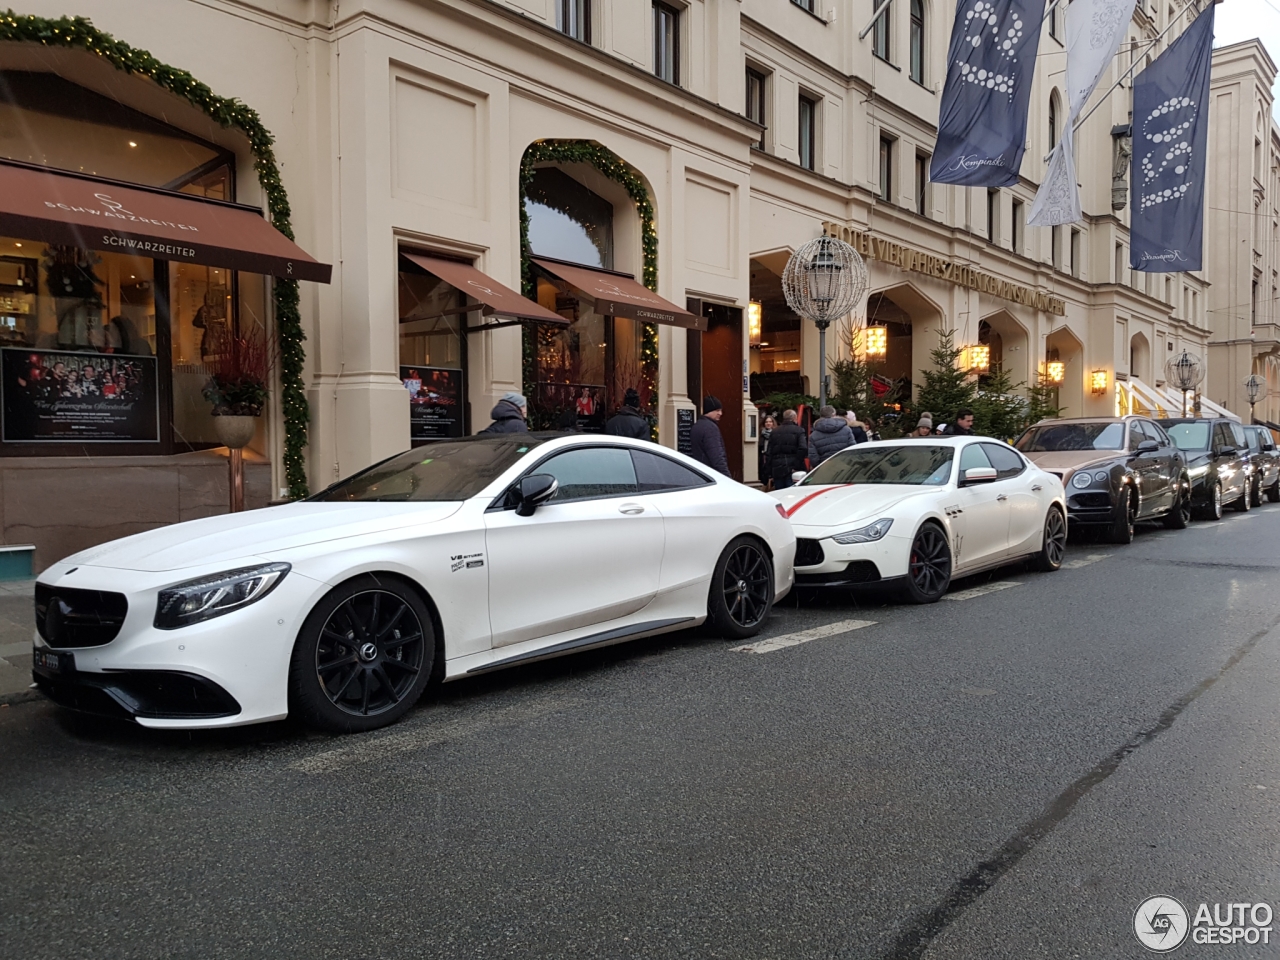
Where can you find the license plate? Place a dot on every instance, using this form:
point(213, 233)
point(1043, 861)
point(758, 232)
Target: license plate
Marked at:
point(51, 662)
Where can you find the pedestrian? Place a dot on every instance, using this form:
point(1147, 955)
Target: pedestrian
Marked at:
point(856, 427)
point(924, 426)
point(766, 433)
point(508, 415)
point(830, 435)
point(629, 421)
point(786, 451)
point(963, 427)
point(708, 444)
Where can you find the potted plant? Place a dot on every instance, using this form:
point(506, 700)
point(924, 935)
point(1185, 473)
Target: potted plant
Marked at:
point(237, 388)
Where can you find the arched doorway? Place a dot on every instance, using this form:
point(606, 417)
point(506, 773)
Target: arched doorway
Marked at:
point(1008, 341)
point(1140, 358)
point(1062, 346)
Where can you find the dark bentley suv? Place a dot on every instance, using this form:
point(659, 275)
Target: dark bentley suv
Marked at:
point(1264, 459)
point(1217, 453)
point(1116, 471)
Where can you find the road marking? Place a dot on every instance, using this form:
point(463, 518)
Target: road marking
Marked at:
point(1084, 561)
point(982, 590)
point(431, 729)
point(803, 636)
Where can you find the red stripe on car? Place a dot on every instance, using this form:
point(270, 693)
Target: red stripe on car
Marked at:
point(800, 503)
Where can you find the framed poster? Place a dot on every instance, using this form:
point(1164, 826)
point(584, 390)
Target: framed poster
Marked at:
point(65, 397)
point(435, 402)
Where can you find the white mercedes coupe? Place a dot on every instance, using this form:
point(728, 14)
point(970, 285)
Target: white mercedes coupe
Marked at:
point(443, 562)
point(916, 512)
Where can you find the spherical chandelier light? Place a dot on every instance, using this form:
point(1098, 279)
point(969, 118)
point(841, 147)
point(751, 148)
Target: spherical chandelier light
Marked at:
point(1184, 371)
point(1255, 388)
point(822, 282)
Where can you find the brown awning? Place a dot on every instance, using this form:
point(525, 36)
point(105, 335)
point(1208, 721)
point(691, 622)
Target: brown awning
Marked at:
point(617, 295)
point(498, 299)
point(104, 215)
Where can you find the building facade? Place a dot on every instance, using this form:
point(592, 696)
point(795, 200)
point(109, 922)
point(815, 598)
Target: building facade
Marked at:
point(578, 157)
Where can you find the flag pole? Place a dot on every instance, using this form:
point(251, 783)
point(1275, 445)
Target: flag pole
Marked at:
point(1076, 126)
point(880, 8)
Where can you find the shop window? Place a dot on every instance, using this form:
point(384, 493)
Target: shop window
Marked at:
point(567, 221)
point(432, 363)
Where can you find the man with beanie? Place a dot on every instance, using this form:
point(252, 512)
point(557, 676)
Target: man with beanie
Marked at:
point(831, 434)
point(786, 451)
point(508, 415)
point(708, 444)
point(629, 421)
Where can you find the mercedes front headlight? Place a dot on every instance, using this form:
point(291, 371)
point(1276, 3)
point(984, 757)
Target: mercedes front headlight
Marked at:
point(208, 597)
point(868, 534)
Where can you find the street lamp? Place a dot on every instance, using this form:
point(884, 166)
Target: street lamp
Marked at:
point(1185, 372)
point(822, 281)
point(1255, 388)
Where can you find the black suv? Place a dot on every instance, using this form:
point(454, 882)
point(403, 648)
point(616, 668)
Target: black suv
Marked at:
point(1265, 460)
point(1217, 454)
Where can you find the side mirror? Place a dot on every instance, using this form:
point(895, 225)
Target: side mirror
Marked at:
point(535, 490)
point(1147, 446)
point(979, 475)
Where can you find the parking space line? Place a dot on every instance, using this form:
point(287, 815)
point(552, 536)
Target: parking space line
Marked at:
point(982, 590)
point(1084, 561)
point(802, 636)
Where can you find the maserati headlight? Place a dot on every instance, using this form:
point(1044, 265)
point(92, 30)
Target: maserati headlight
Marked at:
point(1082, 479)
point(1195, 473)
point(868, 534)
point(209, 597)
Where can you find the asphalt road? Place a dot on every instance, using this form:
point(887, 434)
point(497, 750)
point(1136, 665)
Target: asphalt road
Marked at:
point(1003, 774)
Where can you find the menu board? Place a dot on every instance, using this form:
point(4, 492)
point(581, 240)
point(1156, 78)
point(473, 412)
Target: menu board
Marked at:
point(65, 397)
point(684, 429)
point(435, 402)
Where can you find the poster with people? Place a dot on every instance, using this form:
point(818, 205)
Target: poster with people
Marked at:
point(71, 397)
point(435, 402)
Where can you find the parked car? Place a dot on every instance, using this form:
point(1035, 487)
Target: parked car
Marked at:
point(1217, 453)
point(1264, 460)
point(1116, 471)
point(442, 562)
point(913, 513)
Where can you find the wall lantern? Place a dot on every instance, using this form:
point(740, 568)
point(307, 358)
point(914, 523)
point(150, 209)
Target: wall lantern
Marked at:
point(877, 343)
point(1055, 371)
point(755, 313)
point(979, 358)
point(1098, 382)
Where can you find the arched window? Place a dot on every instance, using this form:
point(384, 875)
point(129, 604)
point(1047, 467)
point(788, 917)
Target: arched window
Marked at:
point(567, 221)
point(917, 41)
point(1053, 120)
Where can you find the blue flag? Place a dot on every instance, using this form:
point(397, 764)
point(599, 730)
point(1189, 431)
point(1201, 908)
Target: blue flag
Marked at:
point(1170, 145)
point(982, 123)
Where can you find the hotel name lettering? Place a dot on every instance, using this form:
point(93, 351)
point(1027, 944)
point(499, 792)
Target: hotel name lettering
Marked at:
point(917, 261)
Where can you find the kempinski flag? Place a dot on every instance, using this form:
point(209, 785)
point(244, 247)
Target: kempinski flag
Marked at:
point(982, 122)
point(1170, 143)
point(1094, 31)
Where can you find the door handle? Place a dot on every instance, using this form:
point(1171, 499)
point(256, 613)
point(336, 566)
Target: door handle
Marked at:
point(1036, 488)
point(631, 509)
point(1001, 498)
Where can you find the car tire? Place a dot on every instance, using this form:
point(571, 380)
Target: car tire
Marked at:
point(1273, 492)
point(1180, 515)
point(742, 589)
point(1125, 515)
point(928, 565)
point(1212, 510)
point(1053, 546)
point(363, 657)
point(1255, 493)
point(1242, 503)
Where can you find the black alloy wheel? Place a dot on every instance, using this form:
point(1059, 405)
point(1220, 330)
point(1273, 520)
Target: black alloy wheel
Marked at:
point(1054, 546)
point(1125, 517)
point(1242, 503)
point(1255, 492)
point(929, 565)
point(741, 589)
point(1180, 515)
point(1273, 492)
point(363, 656)
point(1213, 509)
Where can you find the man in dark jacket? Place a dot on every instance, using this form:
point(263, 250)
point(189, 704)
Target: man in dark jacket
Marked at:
point(830, 435)
point(708, 444)
point(629, 421)
point(508, 415)
point(786, 451)
point(963, 427)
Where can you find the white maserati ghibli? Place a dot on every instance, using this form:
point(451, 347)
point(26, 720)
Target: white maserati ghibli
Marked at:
point(448, 560)
point(916, 512)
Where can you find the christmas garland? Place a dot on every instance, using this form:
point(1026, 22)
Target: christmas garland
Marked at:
point(79, 33)
point(618, 170)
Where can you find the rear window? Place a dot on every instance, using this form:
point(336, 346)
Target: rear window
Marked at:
point(449, 470)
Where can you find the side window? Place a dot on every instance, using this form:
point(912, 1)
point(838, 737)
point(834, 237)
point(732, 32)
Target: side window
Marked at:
point(1135, 435)
point(1222, 436)
point(655, 473)
point(972, 456)
point(1241, 441)
point(1158, 433)
point(1007, 463)
point(591, 472)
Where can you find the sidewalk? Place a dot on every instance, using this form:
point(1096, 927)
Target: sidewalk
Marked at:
point(17, 624)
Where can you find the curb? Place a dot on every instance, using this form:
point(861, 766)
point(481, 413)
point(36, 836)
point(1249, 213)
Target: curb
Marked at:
point(25, 696)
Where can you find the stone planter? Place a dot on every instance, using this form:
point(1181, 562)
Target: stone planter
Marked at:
point(235, 432)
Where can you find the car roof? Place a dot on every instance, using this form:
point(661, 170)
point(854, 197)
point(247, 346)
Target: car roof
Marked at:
point(948, 440)
point(1131, 416)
